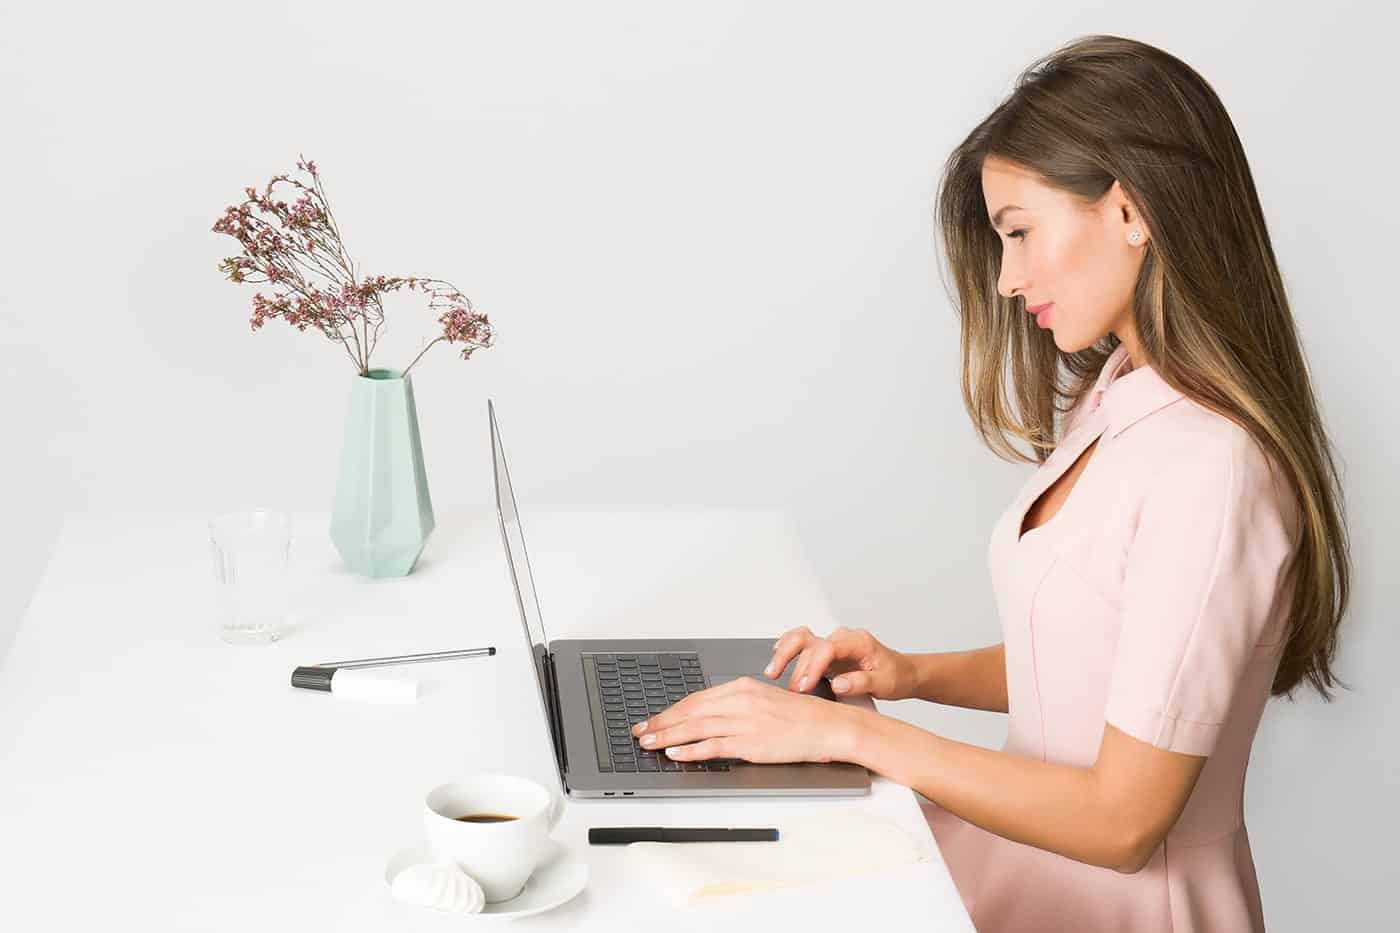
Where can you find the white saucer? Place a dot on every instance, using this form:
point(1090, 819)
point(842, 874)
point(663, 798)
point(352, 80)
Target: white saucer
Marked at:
point(559, 878)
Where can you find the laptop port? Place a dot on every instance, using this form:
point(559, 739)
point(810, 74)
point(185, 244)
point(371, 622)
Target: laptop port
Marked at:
point(607, 793)
point(627, 793)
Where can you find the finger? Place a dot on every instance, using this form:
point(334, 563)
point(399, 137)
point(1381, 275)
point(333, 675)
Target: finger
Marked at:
point(843, 645)
point(819, 663)
point(812, 665)
point(734, 698)
point(699, 751)
point(670, 716)
point(692, 730)
point(791, 642)
point(797, 665)
point(784, 648)
point(853, 683)
point(697, 704)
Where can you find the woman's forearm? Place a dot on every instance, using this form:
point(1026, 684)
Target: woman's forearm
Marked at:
point(971, 679)
point(1051, 806)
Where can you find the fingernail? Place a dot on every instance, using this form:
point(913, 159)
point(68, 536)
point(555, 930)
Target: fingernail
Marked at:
point(768, 670)
point(802, 684)
point(841, 684)
point(640, 727)
point(648, 739)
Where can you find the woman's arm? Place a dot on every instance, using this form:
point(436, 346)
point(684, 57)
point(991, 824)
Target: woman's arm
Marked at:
point(970, 679)
point(1113, 814)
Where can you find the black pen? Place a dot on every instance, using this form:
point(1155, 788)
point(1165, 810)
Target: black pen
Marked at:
point(621, 835)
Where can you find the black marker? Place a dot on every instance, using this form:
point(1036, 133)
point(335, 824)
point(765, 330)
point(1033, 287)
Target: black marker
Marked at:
point(622, 835)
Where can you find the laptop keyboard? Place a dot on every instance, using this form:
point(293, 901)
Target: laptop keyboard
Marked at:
point(625, 689)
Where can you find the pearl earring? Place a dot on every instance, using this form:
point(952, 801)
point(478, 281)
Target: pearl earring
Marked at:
point(1134, 237)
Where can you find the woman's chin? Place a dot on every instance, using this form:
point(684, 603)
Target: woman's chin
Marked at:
point(1068, 342)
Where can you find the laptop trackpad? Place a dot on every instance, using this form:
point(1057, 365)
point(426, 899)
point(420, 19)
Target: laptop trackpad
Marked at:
point(822, 688)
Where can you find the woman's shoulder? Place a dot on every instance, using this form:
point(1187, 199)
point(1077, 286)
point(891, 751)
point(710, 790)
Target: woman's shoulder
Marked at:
point(1187, 432)
point(1202, 458)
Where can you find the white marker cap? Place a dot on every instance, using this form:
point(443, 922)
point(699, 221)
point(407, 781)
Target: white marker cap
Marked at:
point(351, 684)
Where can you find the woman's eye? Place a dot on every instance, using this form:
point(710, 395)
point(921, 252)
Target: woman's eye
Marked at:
point(1015, 233)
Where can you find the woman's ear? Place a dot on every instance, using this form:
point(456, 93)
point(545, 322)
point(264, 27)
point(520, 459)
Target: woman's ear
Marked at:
point(1134, 226)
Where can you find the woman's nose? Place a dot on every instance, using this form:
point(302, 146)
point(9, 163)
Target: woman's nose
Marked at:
point(1010, 282)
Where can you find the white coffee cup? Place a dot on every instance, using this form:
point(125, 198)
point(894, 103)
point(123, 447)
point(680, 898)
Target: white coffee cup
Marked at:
point(501, 856)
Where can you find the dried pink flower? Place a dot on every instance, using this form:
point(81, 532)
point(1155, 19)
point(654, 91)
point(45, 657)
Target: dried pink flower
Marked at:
point(305, 257)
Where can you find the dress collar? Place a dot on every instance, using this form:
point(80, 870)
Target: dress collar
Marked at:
point(1128, 397)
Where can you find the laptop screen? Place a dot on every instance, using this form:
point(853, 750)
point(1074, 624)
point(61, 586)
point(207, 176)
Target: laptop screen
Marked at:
point(515, 541)
point(514, 538)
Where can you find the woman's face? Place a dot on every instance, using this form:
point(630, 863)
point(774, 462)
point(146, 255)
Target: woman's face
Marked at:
point(1056, 251)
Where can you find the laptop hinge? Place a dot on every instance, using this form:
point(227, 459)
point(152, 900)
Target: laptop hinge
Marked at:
point(556, 714)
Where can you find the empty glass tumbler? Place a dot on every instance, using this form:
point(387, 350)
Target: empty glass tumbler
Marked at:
point(251, 551)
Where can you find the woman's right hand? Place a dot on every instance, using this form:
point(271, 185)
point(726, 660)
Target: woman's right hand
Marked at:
point(853, 659)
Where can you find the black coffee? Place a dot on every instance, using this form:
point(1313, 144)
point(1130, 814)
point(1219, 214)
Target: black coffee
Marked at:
point(484, 818)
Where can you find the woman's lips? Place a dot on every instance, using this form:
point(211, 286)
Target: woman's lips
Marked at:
point(1042, 313)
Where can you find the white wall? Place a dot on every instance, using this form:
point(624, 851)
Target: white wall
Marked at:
point(703, 234)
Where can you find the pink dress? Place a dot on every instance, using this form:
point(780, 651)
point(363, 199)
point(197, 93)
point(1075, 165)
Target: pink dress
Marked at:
point(1152, 600)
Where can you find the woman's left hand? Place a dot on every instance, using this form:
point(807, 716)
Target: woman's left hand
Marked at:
point(755, 721)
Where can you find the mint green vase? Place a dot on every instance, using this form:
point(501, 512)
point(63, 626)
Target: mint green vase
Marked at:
point(383, 514)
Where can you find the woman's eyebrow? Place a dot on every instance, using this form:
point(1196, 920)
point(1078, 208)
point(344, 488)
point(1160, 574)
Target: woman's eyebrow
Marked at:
point(996, 218)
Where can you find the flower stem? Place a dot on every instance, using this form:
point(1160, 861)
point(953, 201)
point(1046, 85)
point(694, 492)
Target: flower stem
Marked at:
point(420, 354)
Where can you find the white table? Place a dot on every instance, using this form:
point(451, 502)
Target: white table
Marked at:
point(152, 776)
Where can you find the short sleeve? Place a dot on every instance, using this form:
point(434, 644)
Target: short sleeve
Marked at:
point(1201, 588)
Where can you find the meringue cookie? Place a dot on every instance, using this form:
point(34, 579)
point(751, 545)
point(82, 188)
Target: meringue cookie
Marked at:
point(441, 885)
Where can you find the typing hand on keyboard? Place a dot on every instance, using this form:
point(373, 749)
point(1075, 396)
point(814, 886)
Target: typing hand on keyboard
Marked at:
point(750, 720)
point(633, 688)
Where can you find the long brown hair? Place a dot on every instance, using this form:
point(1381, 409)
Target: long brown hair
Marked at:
point(1209, 304)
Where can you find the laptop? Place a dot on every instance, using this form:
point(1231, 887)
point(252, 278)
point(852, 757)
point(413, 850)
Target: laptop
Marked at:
point(592, 691)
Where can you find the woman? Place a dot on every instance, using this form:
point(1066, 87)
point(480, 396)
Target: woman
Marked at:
point(1178, 556)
